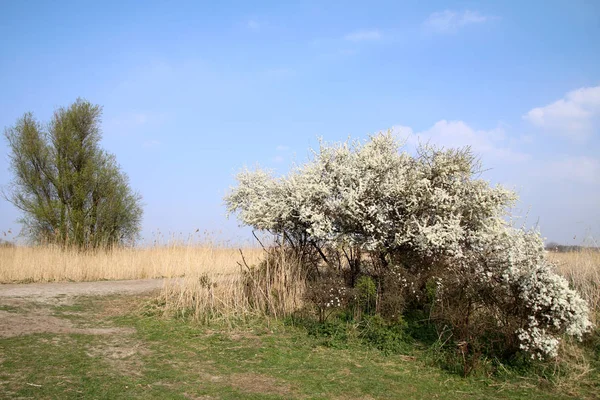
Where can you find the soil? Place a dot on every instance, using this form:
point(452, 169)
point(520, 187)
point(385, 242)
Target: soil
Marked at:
point(53, 292)
point(27, 308)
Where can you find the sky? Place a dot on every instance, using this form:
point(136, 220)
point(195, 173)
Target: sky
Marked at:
point(194, 91)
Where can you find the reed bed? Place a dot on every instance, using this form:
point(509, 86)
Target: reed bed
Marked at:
point(582, 269)
point(222, 281)
point(53, 264)
point(273, 286)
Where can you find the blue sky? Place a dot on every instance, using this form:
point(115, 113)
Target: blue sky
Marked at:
point(194, 91)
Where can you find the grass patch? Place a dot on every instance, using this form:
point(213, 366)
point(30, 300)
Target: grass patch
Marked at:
point(10, 309)
point(157, 358)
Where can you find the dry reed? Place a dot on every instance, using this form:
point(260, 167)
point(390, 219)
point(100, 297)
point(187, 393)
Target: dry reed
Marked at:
point(273, 287)
point(52, 264)
point(214, 280)
point(582, 269)
point(205, 282)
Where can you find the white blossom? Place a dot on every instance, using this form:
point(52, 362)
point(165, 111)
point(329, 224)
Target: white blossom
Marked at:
point(377, 197)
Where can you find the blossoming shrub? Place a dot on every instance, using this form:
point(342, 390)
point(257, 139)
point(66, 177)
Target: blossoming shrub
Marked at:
point(427, 230)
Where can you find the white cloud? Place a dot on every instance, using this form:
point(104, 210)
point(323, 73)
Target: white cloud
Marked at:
point(448, 21)
point(576, 116)
point(278, 159)
point(364, 35)
point(282, 147)
point(449, 134)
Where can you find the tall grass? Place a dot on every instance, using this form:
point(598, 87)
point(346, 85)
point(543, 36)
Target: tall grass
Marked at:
point(205, 281)
point(216, 281)
point(582, 269)
point(272, 286)
point(53, 264)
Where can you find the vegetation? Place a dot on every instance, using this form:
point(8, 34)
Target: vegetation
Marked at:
point(162, 360)
point(561, 248)
point(429, 233)
point(401, 265)
point(148, 357)
point(54, 264)
point(71, 192)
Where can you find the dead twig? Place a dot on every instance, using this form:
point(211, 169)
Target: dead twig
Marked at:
point(244, 260)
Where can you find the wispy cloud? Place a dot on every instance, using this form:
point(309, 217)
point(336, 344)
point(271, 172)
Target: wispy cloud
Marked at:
point(253, 25)
point(281, 157)
point(576, 116)
point(280, 73)
point(131, 120)
point(151, 144)
point(449, 21)
point(582, 169)
point(134, 121)
point(364, 35)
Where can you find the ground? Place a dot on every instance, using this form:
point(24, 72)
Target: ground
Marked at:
point(106, 340)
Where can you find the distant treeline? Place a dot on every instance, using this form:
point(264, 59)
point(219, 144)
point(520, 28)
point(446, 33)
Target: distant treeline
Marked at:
point(562, 248)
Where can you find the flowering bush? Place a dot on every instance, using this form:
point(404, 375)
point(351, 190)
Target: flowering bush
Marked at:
point(372, 209)
point(521, 283)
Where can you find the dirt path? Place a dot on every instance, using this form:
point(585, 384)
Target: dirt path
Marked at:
point(46, 291)
point(31, 308)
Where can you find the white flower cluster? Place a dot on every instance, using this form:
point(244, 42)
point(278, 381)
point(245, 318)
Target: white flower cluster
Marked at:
point(538, 342)
point(514, 270)
point(373, 196)
point(335, 297)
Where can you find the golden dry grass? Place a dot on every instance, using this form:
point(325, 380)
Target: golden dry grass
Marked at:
point(210, 279)
point(207, 282)
point(582, 269)
point(52, 264)
point(272, 287)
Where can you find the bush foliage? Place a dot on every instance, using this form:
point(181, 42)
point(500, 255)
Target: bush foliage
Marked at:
point(415, 233)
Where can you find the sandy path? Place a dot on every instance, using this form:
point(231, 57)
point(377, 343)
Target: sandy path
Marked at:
point(46, 291)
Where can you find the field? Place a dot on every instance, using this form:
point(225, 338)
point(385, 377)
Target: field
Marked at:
point(156, 345)
point(116, 348)
point(52, 264)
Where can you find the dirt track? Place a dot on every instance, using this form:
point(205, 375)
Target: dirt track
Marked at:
point(46, 291)
point(31, 308)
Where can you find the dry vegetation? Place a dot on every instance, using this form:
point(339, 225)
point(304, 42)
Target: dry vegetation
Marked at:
point(582, 269)
point(214, 280)
point(274, 287)
point(208, 280)
point(231, 289)
point(53, 264)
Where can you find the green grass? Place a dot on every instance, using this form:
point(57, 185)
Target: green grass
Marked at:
point(156, 358)
point(7, 308)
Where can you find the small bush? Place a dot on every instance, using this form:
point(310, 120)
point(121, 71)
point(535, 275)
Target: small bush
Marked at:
point(365, 296)
point(334, 334)
point(327, 295)
point(390, 338)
